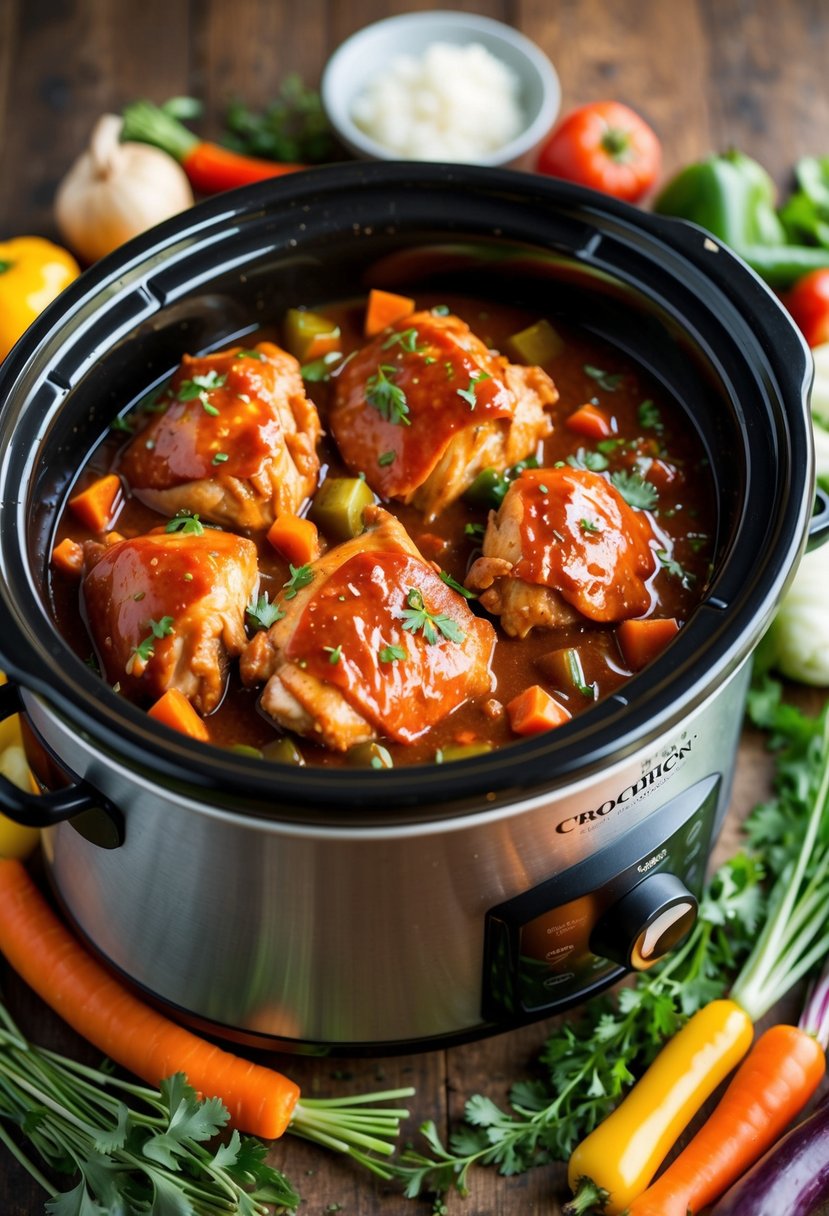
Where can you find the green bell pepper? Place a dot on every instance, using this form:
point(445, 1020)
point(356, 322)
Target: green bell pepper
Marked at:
point(733, 197)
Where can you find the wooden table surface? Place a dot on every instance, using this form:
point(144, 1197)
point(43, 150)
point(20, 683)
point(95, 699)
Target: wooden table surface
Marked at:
point(707, 74)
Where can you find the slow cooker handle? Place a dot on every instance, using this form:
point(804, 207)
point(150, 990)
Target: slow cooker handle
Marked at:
point(819, 523)
point(40, 810)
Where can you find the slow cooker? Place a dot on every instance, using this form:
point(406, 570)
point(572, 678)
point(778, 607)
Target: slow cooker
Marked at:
point(363, 910)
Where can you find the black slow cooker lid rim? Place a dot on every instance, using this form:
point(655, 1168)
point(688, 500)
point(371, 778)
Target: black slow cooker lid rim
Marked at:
point(80, 695)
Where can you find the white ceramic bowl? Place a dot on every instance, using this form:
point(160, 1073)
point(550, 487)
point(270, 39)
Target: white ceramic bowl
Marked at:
point(368, 52)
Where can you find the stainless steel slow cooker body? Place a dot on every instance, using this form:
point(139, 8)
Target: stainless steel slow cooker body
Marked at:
point(352, 909)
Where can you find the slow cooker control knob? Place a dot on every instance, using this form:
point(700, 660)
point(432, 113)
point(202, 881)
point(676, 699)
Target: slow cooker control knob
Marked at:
point(646, 923)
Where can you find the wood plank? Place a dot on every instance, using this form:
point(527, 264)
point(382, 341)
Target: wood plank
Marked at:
point(708, 74)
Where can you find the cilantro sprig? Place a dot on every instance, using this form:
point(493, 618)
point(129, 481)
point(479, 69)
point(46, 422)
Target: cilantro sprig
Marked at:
point(146, 648)
point(469, 394)
point(136, 1149)
point(417, 618)
point(188, 524)
point(261, 613)
point(636, 491)
point(388, 398)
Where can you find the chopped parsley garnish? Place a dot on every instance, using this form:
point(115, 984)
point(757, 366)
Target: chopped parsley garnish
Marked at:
point(208, 408)
point(469, 394)
point(189, 390)
point(220, 458)
point(609, 381)
point(393, 654)
point(449, 368)
point(121, 424)
point(189, 524)
point(404, 338)
point(671, 566)
point(440, 310)
point(543, 489)
point(635, 490)
point(249, 354)
point(335, 653)
point(417, 617)
point(585, 459)
point(608, 446)
point(649, 416)
point(474, 531)
point(262, 613)
point(301, 576)
point(386, 458)
point(383, 395)
point(697, 540)
point(589, 525)
point(158, 629)
point(456, 586)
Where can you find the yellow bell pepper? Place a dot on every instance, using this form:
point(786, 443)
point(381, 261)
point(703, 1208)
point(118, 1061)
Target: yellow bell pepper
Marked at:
point(33, 271)
point(617, 1161)
point(15, 841)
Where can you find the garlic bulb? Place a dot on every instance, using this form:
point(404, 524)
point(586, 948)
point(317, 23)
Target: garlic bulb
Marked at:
point(114, 191)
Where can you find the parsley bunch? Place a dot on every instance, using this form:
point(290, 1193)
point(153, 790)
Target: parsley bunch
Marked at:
point(588, 1063)
point(150, 1157)
point(143, 1152)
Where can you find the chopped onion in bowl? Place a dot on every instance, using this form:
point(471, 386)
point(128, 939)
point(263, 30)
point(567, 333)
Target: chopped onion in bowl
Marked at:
point(454, 103)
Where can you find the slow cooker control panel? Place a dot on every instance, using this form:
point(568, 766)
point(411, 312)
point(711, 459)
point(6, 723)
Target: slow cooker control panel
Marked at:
point(623, 908)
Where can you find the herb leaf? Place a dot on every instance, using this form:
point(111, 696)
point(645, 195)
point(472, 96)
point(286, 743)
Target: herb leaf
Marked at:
point(649, 416)
point(406, 339)
point(584, 458)
point(393, 654)
point(383, 395)
point(609, 381)
point(262, 613)
point(674, 568)
point(456, 586)
point(635, 490)
point(188, 524)
point(301, 576)
point(469, 394)
point(146, 649)
point(417, 617)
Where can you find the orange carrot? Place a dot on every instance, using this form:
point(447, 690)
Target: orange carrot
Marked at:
point(97, 1006)
point(590, 421)
point(68, 557)
point(296, 538)
point(174, 710)
point(98, 504)
point(773, 1083)
point(642, 640)
point(323, 344)
point(383, 309)
point(534, 710)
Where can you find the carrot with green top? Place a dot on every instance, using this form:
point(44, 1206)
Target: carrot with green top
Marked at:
point(210, 168)
point(95, 1004)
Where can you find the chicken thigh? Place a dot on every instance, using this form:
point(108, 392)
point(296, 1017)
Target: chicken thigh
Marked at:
point(167, 610)
point(424, 407)
point(564, 546)
point(371, 644)
point(235, 440)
